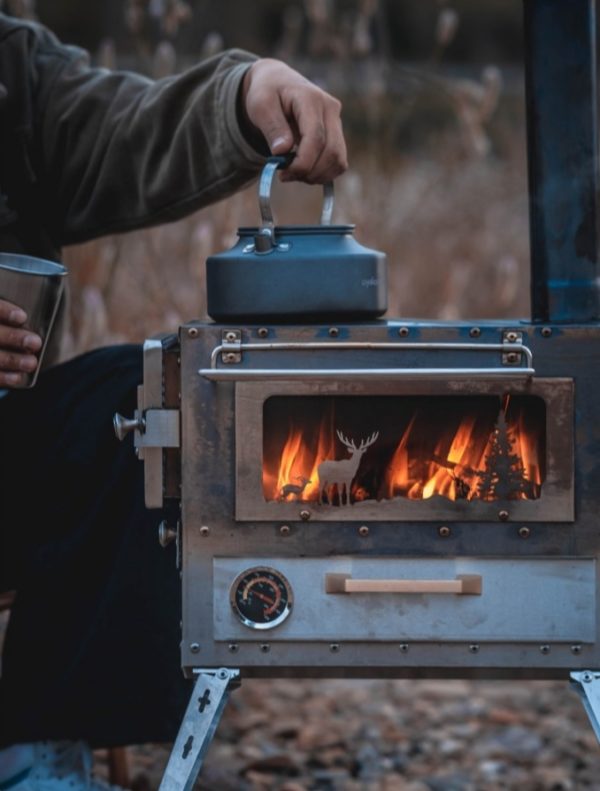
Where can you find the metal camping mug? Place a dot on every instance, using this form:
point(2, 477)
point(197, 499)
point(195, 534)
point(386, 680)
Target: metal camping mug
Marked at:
point(36, 286)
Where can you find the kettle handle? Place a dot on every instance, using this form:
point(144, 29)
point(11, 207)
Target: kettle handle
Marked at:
point(264, 193)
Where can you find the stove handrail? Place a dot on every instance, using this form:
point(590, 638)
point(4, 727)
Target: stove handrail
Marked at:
point(230, 371)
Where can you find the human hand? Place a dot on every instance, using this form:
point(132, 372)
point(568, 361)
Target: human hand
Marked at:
point(18, 347)
point(289, 111)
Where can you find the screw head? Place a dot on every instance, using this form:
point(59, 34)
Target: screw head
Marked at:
point(363, 531)
point(262, 332)
point(229, 357)
point(404, 647)
point(204, 530)
point(544, 649)
point(503, 515)
point(475, 332)
point(474, 648)
point(546, 332)
point(444, 531)
point(195, 648)
point(265, 648)
point(334, 648)
point(284, 530)
point(576, 649)
point(512, 357)
point(193, 332)
point(231, 336)
point(403, 332)
point(512, 337)
point(524, 532)
point(305, 514)
point(334, 332)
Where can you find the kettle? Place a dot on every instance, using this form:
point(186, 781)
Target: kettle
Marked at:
point(295, 273)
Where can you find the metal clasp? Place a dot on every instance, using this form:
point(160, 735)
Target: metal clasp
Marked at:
point(231, 346)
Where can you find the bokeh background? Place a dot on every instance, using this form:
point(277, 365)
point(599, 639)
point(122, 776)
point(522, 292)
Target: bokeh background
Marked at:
point(433, 101)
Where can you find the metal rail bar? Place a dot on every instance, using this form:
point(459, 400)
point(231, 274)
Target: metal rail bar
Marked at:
point(233, 372)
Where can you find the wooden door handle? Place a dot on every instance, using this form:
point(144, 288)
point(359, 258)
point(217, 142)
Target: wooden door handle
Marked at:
point(462, 584)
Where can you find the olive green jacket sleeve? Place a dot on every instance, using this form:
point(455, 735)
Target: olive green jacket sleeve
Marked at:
point(111, 151)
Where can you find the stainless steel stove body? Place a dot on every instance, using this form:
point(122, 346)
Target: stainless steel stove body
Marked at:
point(452, 578)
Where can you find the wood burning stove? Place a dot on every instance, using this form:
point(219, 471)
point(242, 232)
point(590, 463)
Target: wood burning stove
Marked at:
point(399, 498)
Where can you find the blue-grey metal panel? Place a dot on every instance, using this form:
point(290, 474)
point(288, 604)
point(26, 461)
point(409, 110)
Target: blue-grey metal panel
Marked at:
point(521, 600)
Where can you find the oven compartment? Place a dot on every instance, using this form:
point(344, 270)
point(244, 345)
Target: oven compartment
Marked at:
point(521, 600)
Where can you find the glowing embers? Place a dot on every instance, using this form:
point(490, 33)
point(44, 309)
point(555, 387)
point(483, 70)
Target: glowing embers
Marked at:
point(337, 450)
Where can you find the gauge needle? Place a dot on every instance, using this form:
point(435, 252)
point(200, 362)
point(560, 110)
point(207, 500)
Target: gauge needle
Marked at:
point(263, 597)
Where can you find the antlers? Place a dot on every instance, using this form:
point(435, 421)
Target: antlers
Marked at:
point(364, 444)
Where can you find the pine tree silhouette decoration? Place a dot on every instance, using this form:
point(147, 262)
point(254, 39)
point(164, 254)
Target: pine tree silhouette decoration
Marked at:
point(504, 477)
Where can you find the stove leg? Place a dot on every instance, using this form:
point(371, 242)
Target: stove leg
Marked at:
point(587, 684)
point(200, 721)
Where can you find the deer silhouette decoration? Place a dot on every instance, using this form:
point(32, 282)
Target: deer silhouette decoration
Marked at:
point(293, 488)
point(341, 473)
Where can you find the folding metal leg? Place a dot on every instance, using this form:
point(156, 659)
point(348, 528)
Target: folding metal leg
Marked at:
point(200, 721)
point(587, 684)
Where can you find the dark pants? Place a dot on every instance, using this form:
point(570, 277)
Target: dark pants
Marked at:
point(92, 647)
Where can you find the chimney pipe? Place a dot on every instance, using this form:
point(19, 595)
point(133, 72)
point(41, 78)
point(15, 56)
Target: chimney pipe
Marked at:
point(560, 78)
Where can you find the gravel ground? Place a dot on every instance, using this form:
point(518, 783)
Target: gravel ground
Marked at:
point(333, 735)
point(305, 735)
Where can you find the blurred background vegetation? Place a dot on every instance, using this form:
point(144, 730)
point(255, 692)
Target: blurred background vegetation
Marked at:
point(434, 114)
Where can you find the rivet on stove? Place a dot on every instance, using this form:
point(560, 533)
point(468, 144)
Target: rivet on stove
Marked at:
point(444, 531)
point(475, 332)
point(404, 648)
point(363, 531)
point(193, 332)
point(233, 647)
point(403, 332)
point(195, 648)
point(546, 332)
point(204, 530)
point(334, 332)
point(265, 648)
point(511, 337)
point(262, 332)
point(474, 648)
point(231, 336)
point(305, 515)
point(230, 357)
point(503, 516)
point(284, 530)
point(576, 649)
point(334, 648)
point(524, 532)
point(544, 649)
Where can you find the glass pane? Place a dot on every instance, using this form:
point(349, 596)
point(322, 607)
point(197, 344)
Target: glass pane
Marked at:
point(331, 448)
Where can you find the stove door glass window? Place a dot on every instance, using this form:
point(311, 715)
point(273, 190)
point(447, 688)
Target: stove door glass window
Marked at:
point(337, 450)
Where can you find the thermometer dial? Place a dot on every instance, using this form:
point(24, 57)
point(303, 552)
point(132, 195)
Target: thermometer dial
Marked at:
point(261, 597)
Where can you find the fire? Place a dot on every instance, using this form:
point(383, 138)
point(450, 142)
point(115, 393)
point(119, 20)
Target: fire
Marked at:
point(476, 460)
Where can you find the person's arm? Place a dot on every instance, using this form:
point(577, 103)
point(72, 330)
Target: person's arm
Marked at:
point(119, 151)
point(113, 151)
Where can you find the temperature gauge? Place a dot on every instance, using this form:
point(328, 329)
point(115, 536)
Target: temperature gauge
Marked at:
point(261, 597)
